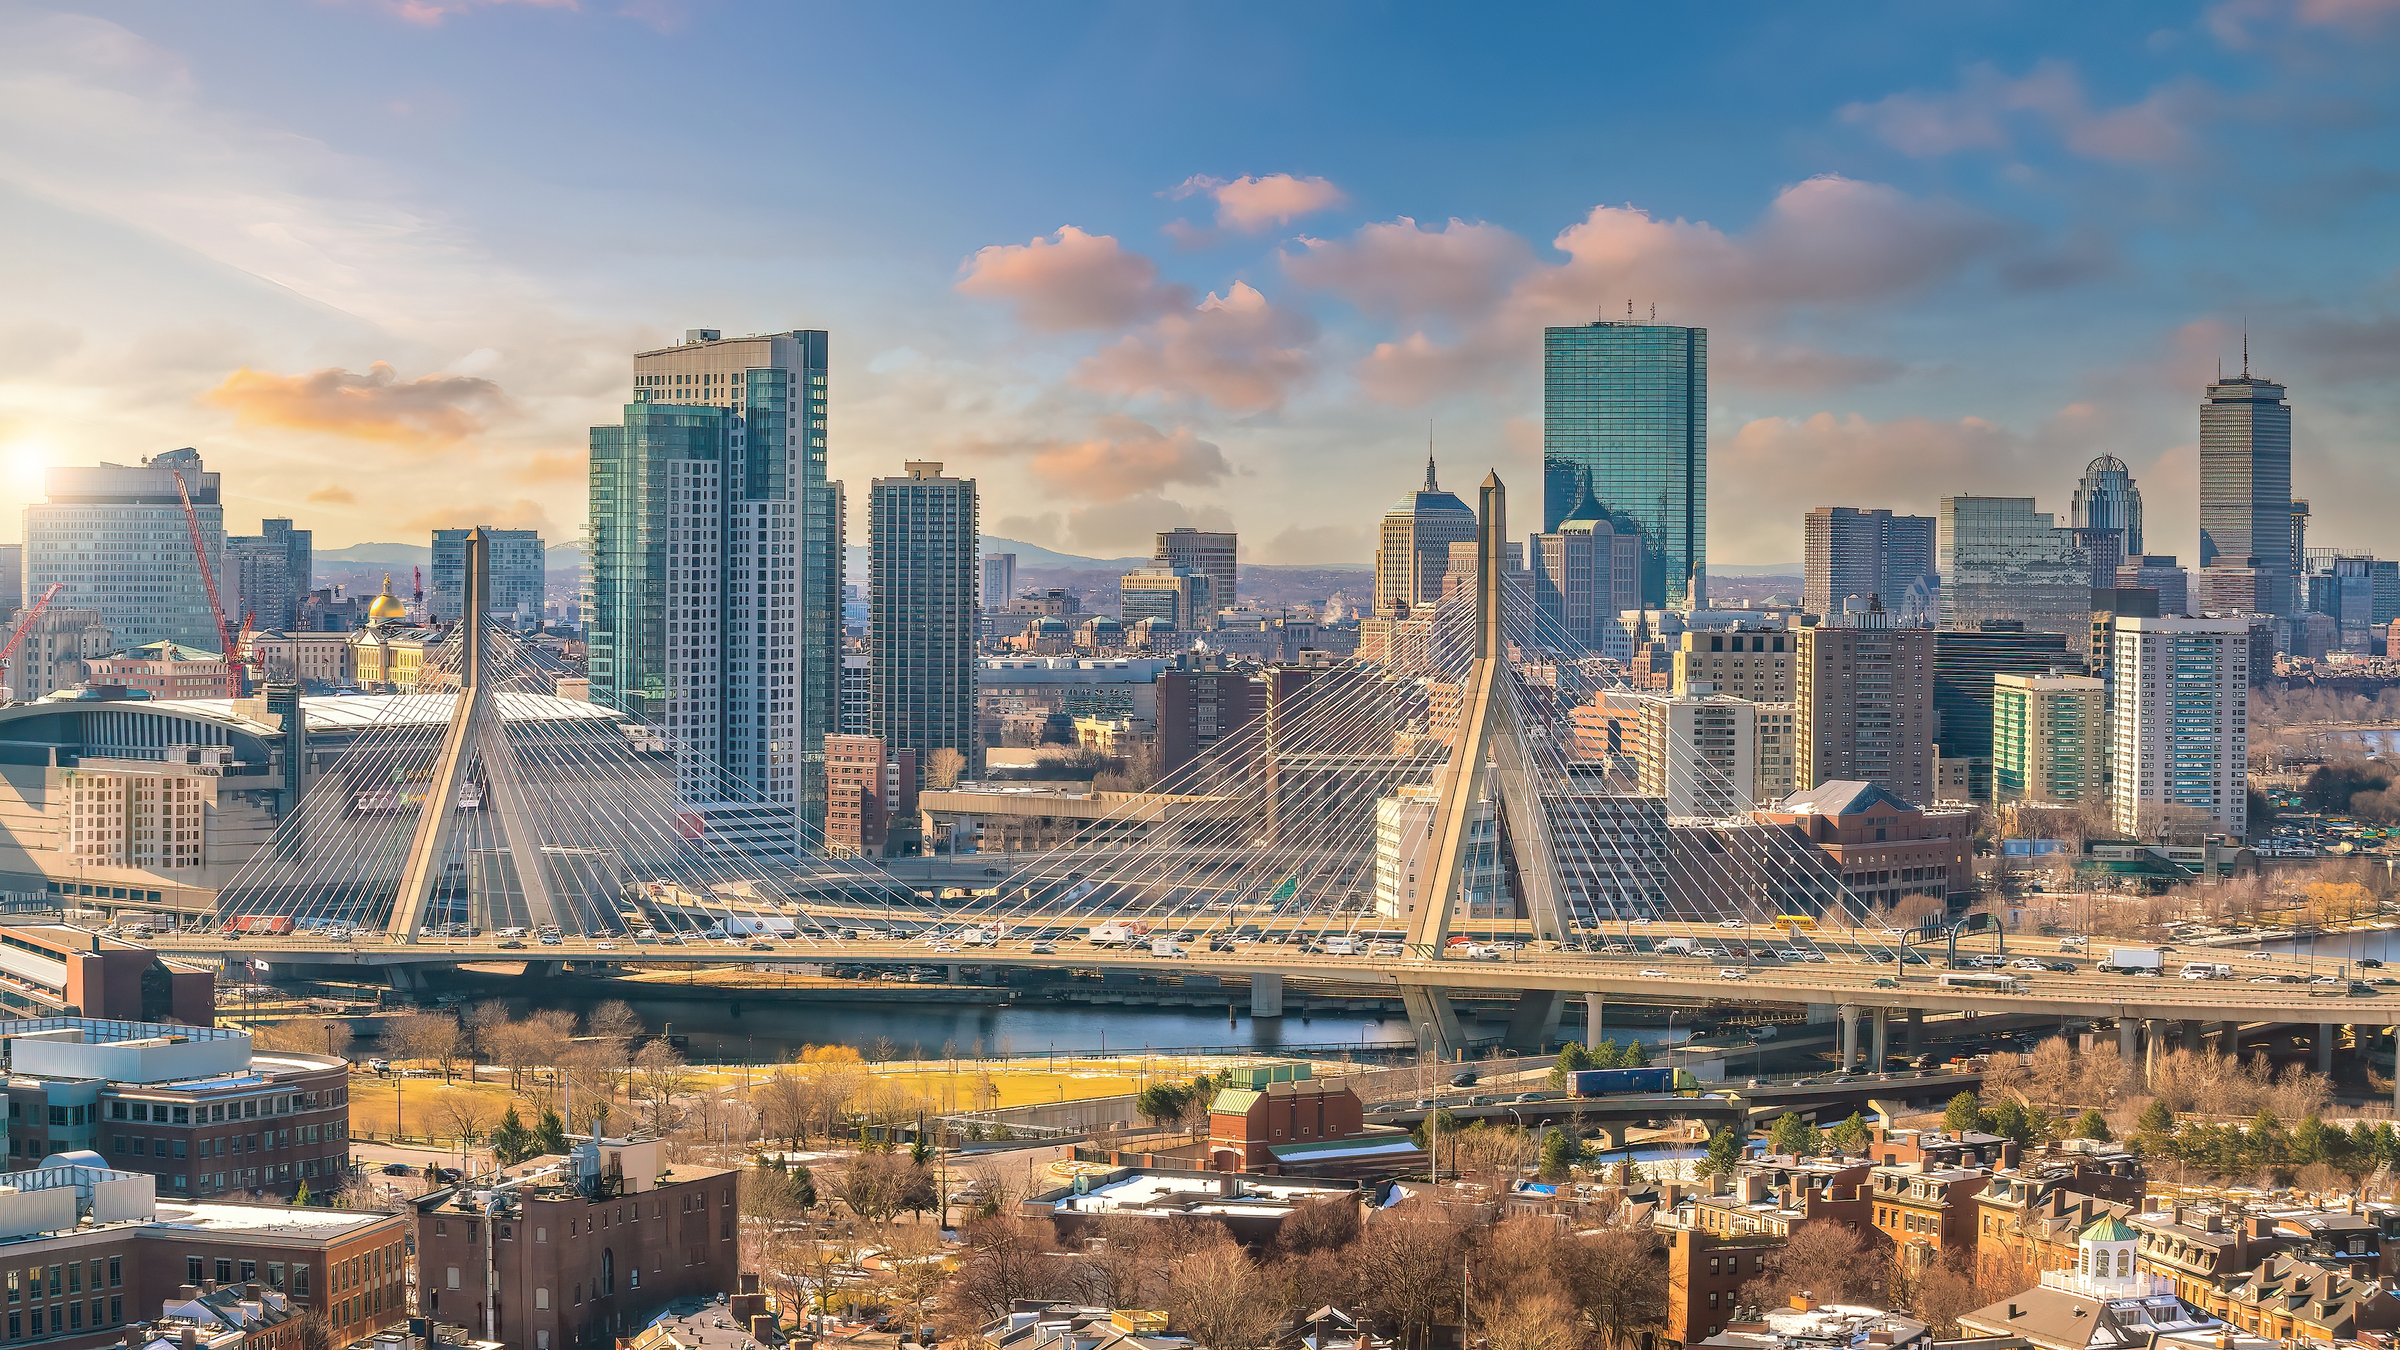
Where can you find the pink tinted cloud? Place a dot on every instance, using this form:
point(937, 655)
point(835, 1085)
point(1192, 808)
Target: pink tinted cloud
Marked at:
point(1127, 458)
point(430, 411)
point(1254, 204)
point(1071, 280)
point(1765, 475)
point(431, 12)
point(1239, 352)
point(1400, 269)
point(1978, 115)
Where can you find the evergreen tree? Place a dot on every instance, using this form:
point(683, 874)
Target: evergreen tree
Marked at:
point(804, 1186)
point(2092, 1125)
point(2156, 1118)
point(1964, 1113)
point(2009, 1121)
point(1724, 1151)
point(1604, 1056)
point(1636, 1056)
point(2362, 1144)
point(1851, 1135)
point(1794, 1137)
point(1571, 1057)
point(2265, 1144)
point(512, 1143)
point(920, 1151)
point(300, 1197)
point(2311, 1141)
point(2387, 1144)
point(1558, 1155)
point(549, 1134)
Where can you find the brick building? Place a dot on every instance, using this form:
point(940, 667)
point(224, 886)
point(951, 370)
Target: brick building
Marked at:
point(1246, 1123)
point(1716, 1243)
point(1208, 724)
point(1883, 847)
point(584, 1248)
point(1926, 1209)
point(870, 798)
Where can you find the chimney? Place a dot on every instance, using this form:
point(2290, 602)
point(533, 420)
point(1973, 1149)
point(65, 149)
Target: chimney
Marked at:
point(187, 1293)
point(191, 1338)
point(1804, 1301)
point(2012, 1312)
point(257, 1291)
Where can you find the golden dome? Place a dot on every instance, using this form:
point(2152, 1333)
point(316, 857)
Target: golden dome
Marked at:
point(386, 605)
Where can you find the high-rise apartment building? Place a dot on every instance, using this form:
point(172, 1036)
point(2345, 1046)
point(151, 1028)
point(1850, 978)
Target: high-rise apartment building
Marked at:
point(1208, 553)
point(2106, 499)
point(2158, 572)
point(276, 567)
point(115, 536)
point(1776, 753)
point(1964, 663)
point(2246, 517)
point(870, 799)
point(1209, 727)
point(1699, 750)
point(1625, 404)
point(1744, 664)
point(1864, 691)
point(517, 560)
point(922, 570)
point(1586, 573)
point(2049, 738)
point(1175, 596)
point(1848, 551)
point(1404, 858)
point(999, 580)
point(12, 579)
point(714, 608)
point(2179, 726)
point(1413, 550)
point(2000, 559)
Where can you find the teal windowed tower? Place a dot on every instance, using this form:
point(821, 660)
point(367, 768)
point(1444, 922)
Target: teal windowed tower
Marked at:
point(1627, 404)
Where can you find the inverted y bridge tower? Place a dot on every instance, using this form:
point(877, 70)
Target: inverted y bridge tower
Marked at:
point(475, 736)
point(1487, 761)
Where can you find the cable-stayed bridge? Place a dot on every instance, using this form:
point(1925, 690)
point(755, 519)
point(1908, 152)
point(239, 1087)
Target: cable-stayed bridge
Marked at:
point(1432, 821)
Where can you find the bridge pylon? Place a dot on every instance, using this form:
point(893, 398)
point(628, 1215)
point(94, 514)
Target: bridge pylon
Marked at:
point(475, 734)
point(1487, 758)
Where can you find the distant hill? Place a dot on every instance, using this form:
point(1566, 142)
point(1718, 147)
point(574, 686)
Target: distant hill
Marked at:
point(556, 558)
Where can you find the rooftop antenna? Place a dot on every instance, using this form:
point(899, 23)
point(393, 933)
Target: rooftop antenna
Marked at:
point(2245, 348)
point(1654, 311)
point(1629, 309)
point(1429, 485)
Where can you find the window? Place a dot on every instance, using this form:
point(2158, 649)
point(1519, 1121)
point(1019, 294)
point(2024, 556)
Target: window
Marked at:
point(191, 1270)
point(541, 1235)
point(300, 1280)
point(453, 1277)
point(274, 1273)
point(249, 1271)
point(541, 1298)
point(224, 1270)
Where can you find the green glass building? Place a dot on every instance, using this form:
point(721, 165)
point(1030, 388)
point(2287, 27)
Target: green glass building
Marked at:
point(1627, 403)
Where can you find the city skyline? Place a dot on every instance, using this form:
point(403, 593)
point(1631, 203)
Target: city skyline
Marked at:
point(1974, 253)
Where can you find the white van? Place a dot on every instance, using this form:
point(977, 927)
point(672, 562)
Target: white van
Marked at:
point(1340, 944)
point(1678, 946)
point(1167, 947)
point(2207, 970)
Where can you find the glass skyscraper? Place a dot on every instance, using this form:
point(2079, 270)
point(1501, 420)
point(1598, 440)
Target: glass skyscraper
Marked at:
point(2246, 486)
point(1627, 403)
point(2106, 499)
point(715, 603)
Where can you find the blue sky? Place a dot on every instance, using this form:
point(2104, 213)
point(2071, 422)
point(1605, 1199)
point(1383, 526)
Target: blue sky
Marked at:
point(1144, 265)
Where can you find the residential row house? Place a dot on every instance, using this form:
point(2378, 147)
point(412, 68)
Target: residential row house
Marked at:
point(1716, 1243)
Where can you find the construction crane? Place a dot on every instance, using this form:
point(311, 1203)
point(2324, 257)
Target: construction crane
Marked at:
point(25, 625)
point(208, 576)
point(417, 578)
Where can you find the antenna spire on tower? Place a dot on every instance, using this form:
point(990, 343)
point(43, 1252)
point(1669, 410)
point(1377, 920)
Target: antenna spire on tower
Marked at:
point(1429, 484)
point(2245, 347)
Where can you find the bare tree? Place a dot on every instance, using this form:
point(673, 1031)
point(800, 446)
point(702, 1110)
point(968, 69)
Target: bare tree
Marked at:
point(1221, 1300)
point(1824, 1259)
point(463, 1115)
point(660, 1077)
point(308, 1035)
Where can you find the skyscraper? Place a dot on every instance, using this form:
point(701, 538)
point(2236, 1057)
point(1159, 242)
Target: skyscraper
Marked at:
point(1627, 404)
point(2001, 559)
point(2178, 720)
point(1864, 691)
point(275, 568)
point(2049, 738)
point(115, 536)
point(715, 601)
point(517, 575)
point(1853, 552)
point(921, 626)
point(1965, 661)
point(2106, 499)
point(1586, 573)
point(1208, 553)
point(1177, 596)
point(1414, 549)
point(2246, 517)
point(999, 580)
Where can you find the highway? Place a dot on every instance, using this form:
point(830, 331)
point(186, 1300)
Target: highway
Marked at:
point(1846, 976)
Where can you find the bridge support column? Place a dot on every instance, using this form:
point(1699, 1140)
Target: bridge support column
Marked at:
point(954, 973)
point(1882, 1056)
point(405, 977)
point(1531, 1020)
point(2156, 1033)
point(2229, 1039)
point(1916, 1032)
point(1592, 1006)
point(2326, 1032)
point(1849, 1041)
point(2195, 1035)
point(2129, 1035)
point(1432, 1017)
point(1266, 995)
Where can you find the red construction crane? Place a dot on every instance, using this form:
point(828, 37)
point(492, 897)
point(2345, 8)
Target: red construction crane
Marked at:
point(208, 575)
point(25, 624)
point(418, 574)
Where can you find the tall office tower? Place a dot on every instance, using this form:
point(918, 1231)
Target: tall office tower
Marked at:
point(1585, 573)
point(2103, 553)
point(1627, 404)
point(2386, 584)
point(2106, 499)
point(2049, 738)
point(276, 566)
point(1208, 553)
point(2179, 727)
point(1414, 549)
point(715, 590)
point(1847, 552)
point(999, 580)
point(2158, 572)
point(115, 536)
point(2299, 542)
point(12, 579)
point(921, 536)
point(1964, 663)
point(1752, 665)
point(2246, 510)
point(517, 575)
point(1865, 695)
point(2001, 559)
point(1176, 596)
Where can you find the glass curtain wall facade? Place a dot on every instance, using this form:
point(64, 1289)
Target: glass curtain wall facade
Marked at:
point(2106, 499)
point(2246, 515)
point(517, 575)
point(115, 536)
point(922, 625)
point(2001, 560)
point(1627, 403)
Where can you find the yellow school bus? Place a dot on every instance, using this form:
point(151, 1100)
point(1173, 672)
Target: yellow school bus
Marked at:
point(1796, 923)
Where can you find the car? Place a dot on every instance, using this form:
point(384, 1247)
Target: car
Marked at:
point(1733, 973)
point(1483, 1100)
point(1812, 954)
point(2369, 963)
point(2061, 967)
point(1791, 954)
point(1802, 1082)
point(553, 940)
point(2360, 988)
point(1422, 1104)
point(2258, 956)
point(510, 942)
point(1042, 948)
point(445, 1175)
point(1464, 1078)
point(1895, 932)
point(379, 1066)
point(398, 1169)
point(1732, 923)
point(2385, 981)
point(2029, 963)
point(1528, 1098)
point(2291, 979)
point(1654, 974)
point(1886, 982)
point(2266, 979)
point(2326, 979)
point(1988, 961)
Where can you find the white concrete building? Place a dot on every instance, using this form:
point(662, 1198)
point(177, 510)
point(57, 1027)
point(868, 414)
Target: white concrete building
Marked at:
point(1700, 751)
point(2179, 724)
point(115, 537)
point(1404, 864)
